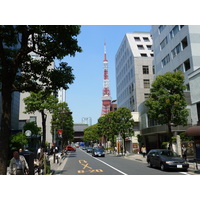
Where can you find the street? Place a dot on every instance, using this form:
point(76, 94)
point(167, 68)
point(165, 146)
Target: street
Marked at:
point(82, 163)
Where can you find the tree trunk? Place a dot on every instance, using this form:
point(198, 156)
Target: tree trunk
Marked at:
point(170, 136)
point(5, 127)
point(124, 140)
point(44, 117)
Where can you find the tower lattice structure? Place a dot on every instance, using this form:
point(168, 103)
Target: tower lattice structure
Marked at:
point(106, 99)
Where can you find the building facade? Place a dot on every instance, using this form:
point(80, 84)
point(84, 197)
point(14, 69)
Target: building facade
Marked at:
point(134, 75)
point(61, 95)
point(176, 47)
point(23, 118)
point(134, 71)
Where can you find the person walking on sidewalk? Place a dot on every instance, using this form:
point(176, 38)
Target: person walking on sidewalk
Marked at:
point(143, 150)
point(18, 164)
point(184, 152)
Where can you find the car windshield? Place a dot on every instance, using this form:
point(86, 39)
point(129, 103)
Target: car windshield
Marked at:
point(168, 153)
point(99, 149)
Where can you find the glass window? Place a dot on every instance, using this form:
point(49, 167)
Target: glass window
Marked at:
point(161, 28)
point(174, 31)
point(146, 96)
point(140, 47)
point(163, 43)
point(165, 60)
point(145, 69)
point(149, 47)
point(176, 50)
point(143, 55)
point(146, 39)
point(146, 83)
point(187, 64)
point(137, 39)
point(184, 43)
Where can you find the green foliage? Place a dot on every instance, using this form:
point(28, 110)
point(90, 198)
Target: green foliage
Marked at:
point(91, 133)
point(40, 102)
point(167, 104)
point(62, 119)
point(18, 141)
point(43, 103)
point(117, 122)
point(32, 126)
point(47, 42)
point(125, 123)
point(21, 72)
point(185, 138)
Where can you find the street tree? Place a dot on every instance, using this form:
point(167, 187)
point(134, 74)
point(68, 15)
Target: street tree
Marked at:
point(124, 123)
point(112, 127)
point(103, 128)
point(36, 133)
point(62, 120)
point(167, 104)
point(18, 141)
point(19, 71)
point(91, 134)
point(43, 103)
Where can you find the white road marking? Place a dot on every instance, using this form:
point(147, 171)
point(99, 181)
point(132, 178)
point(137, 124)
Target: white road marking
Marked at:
point(106, 164)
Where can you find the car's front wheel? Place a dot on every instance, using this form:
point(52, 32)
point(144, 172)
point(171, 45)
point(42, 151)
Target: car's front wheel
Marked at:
point(150, 164)
point(162, 167)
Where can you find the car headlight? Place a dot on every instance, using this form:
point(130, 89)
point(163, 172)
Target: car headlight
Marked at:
point(169, 162)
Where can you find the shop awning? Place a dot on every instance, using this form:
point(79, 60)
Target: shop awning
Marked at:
point(193, 131)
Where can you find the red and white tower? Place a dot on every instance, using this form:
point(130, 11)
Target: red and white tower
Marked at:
point(106, 99)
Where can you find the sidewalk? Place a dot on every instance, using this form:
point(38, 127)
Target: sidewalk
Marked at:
point(57, 167)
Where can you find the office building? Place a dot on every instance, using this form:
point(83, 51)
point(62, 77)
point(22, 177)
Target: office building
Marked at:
point(176, 47)
point(134, 75)
point(134, 71)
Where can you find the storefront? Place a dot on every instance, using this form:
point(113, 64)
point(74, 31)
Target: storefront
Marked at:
point(195, 132)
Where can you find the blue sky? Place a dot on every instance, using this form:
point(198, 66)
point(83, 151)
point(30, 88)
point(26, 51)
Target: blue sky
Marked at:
point(84, 95)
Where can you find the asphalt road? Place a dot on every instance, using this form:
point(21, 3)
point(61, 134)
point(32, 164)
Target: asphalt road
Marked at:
point(82, 163)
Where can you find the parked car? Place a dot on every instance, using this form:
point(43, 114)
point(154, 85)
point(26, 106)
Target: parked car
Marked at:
point(166, 159)
point(89, 150)
point(98, 152)
point(70, 148)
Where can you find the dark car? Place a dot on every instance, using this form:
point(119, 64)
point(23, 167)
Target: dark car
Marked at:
point(70, 148)
point(98, 152)
point(89, 150)
point(166, 159)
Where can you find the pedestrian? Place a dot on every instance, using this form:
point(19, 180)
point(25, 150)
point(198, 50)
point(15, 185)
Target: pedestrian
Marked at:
point(18, 164)
point(184, 152)
point(38, 152)
point(143, 150)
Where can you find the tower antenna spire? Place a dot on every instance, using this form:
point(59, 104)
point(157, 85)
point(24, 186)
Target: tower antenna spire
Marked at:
point(105, 59)
point(106, 99)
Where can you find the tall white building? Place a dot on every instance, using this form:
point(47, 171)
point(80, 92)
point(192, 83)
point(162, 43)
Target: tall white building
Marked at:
point(61, 95)
point(134, 71)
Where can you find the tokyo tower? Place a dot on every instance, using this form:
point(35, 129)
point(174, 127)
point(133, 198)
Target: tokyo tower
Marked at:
point(106, 99)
